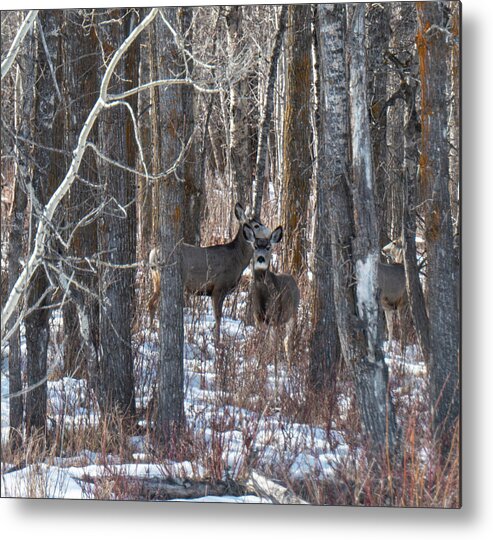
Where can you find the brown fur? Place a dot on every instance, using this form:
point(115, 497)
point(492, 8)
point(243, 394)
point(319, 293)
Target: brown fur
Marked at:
point(213, 271)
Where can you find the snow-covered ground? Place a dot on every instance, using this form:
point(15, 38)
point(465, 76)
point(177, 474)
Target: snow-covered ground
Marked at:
point(230, 433)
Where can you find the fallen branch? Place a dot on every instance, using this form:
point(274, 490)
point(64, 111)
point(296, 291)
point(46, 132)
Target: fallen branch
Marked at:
point(269, 489)
point(156, 487)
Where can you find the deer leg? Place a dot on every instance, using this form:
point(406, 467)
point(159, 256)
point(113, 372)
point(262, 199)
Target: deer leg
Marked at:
point(217, 304)
point(389, 318)
point(288, 342)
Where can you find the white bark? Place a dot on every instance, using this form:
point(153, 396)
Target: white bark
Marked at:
point(50, 208)
point(16, 44)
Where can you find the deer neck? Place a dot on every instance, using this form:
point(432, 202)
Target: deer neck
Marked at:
point(244, 250)
point(262, 276)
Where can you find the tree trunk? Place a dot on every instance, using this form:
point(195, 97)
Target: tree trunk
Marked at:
point(325, 347)
point(356, 307)
point(377, 46)
point(25, 98)
point(47, 131)
point(297, 136)
point(80, 86)
point(239, 128)
point(193, 182)
point(170, 398)
point(117, 229)
point(433, 51)
point(372, 374)
point(263, 139)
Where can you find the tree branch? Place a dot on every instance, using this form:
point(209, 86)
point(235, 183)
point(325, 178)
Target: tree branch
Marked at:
point(49, 210)
point(16, 44)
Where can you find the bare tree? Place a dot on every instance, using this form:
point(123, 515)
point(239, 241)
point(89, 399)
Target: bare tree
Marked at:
point(170, 399)
point(325, 347)
point(260, 167)
point(47, 131)
point(433, 52)
point(239, 131)
point(80, 85)
point(354, 237)
point(117, 229)
point(191, 172)
point(24, 97)
point(297, 134)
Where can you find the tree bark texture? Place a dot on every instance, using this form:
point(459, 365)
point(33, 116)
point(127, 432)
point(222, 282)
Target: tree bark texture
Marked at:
point(433, 52)
point(297, 136)
point(355, 307)
point(25, 97)
point(378, 44)
point(325, 347)
point(170, 402)
point(117, 228)
point(371, 371)
point(80, 82)
point(194, 184)
point(46, 174)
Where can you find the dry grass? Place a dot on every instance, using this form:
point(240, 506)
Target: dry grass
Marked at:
point(237, 377)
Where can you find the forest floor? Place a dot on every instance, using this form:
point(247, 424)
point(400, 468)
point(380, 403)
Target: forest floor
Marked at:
point(236, 422)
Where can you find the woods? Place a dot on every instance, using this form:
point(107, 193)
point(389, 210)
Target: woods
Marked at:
point(332, 126)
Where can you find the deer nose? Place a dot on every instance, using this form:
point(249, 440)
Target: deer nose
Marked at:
point(261, 259)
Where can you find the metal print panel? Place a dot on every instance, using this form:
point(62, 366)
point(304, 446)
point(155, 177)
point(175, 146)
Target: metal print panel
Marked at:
point(231, 254)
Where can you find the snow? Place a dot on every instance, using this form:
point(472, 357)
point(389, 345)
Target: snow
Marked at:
point(227, 432)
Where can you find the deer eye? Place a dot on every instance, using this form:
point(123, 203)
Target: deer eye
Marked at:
point(267, 248)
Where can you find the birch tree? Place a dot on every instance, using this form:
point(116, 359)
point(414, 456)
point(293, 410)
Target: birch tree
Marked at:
point(24, 98)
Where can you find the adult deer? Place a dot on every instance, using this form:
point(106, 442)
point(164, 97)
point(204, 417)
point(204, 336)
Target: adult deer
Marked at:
point(213, 270)
point(275, 297)
point(393, 296)
point(392, 281)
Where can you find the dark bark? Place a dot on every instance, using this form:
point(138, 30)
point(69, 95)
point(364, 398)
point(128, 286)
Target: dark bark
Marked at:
point(378, 16)
point(409, 214)
point(297, 136)
point(193, 182)
point(239, 127)
point(117, 229)
point(47, 132)
point(399, 61)
point(170, 393)
point(80, 89)
point(433, 52)
point(325, 346)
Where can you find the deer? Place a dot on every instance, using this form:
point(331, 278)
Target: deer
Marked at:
point(392, 279)
point(213, 271)
point(393, 295)
point(275, 297)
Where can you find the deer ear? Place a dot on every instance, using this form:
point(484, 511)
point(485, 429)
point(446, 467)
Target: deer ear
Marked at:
point(248, 234)
point(276, 235)
point(240, 213)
